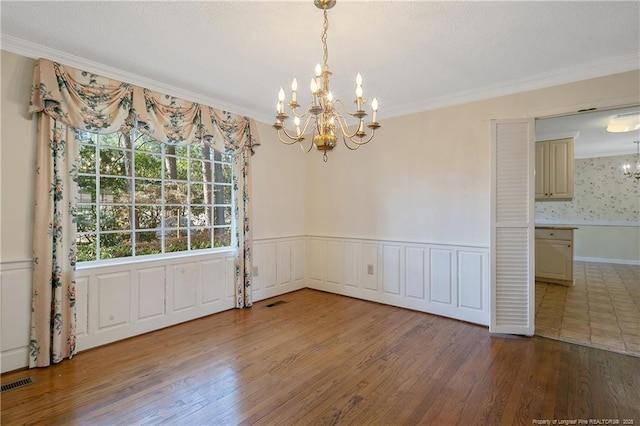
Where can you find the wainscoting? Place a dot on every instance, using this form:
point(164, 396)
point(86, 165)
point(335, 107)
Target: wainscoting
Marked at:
point(123, 300)
point(447, 280)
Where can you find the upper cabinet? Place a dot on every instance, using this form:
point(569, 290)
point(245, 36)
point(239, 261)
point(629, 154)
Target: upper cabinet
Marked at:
point(554, 170)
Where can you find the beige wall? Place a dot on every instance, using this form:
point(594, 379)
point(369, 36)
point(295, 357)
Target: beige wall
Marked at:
point(425, 177)
point(618, 243)
point(17, 165)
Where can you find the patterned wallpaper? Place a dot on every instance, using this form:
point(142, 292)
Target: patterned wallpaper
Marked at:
point(601, 193)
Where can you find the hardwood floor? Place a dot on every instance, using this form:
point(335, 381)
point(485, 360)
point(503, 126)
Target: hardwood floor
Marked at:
point(321, 358)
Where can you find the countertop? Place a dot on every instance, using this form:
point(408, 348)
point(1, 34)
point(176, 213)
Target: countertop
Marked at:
point(555, 227)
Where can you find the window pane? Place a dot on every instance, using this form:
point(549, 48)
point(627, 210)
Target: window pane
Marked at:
point(182, 151)
point(222, 215)
point(222, 237)
point(86, 247)
point(115, 190)
point(148, 191)
point(222, 194)
point(86, 137)
point(118, 140)
point(200, 215)
point(148, 144)
point(112, 162)
point(87, 164)
point(176, 240)
point(197, 194)
point(148, 217)
point(86, 218)
point(148, 243)
point(171, 215)
point(113, 218)
point(86, 189)
point(222, 173)
point(196, 150)
point(114, 245)
point(200, 239)
point(175, 192)
point(148, 165)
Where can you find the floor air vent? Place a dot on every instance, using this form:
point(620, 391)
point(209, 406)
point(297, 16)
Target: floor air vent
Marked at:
point(276, 303)
point(17, 384)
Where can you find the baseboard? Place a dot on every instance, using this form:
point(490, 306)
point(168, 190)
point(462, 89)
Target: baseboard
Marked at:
point(606, 260)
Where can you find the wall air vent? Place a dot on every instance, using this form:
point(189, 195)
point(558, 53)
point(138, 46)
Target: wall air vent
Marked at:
point(276, 303)
point(17, 384)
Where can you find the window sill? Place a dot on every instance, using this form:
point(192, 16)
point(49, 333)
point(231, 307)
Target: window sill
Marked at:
point(151, 260)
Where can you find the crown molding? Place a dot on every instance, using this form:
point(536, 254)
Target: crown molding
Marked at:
point(539, 81)
point(36, 51)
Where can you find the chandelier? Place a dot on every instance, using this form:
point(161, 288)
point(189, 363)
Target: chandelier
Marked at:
point(327, 123)
point(626, 168)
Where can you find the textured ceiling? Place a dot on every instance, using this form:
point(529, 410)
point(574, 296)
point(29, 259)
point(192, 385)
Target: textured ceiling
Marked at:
point(413, 55)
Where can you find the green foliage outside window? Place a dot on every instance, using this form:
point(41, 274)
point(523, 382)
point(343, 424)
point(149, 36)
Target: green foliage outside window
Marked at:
point(140, 197)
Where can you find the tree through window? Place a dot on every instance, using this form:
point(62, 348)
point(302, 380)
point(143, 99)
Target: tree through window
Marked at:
point(138, 197)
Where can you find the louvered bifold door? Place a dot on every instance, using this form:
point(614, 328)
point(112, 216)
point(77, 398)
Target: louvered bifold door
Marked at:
point(512, 226)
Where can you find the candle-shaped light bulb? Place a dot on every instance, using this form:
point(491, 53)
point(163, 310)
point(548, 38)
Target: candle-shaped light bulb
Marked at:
point(294, 88)
point(318, 70)
point(330, 96)
point(296, 121)
point(281, 94)
point(374, 108)
point(358, 79)
point(359, 91)
point(313, 86)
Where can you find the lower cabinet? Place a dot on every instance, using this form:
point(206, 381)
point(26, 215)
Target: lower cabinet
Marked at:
point(554, 255)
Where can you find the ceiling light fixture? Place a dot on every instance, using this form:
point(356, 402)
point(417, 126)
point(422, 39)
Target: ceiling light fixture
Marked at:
point(626, 168)
point(624, 123)
point(328, 122)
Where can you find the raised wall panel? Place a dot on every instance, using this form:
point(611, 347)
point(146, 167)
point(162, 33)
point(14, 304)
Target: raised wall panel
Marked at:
point(369, 257)
point(151, 290)
point(184, 286)
point(16, 307)
point(257, 280)
point(391, 269)
point(212, 273)
point(350, 264)
point(297, 260)
point(333, 258)
point(283, 265)
point(315, 259)
point(270, 272)
point(440, 276)
point(415, 273)
point(114, 299)
point(470, 274)
point(82, 305)
point(230, 263)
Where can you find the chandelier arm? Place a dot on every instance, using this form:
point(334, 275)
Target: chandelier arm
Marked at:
point(344, 107)
point(292, 140)
point(306, 124)
point(344, 127)
point(360, 143)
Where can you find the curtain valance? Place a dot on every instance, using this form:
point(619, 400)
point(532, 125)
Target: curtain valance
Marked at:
point(90, 102)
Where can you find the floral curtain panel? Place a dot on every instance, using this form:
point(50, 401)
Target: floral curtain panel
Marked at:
point(66, 99)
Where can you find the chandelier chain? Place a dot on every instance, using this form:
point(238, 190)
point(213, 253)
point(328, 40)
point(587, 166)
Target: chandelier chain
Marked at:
point(325, 27)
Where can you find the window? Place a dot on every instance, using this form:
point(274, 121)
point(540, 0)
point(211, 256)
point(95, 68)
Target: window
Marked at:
point(138, 197)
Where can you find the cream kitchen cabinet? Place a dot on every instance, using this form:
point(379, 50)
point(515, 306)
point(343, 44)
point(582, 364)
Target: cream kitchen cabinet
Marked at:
point(554, 170)
point(554, 255)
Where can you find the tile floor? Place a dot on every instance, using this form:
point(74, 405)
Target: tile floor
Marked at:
point(601, 310)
